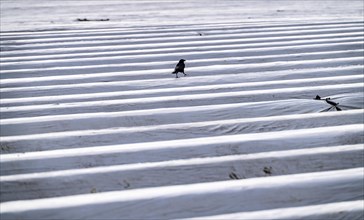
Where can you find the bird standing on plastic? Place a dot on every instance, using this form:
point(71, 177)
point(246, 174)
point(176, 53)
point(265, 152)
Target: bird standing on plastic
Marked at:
point(180, 68)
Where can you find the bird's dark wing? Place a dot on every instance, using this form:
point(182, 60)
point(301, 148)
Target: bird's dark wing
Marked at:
point(331, 102)
point(179, 67)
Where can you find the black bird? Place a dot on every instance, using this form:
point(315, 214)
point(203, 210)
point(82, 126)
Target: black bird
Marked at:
point(333, 104)
point(317, 97)
point(180, 68)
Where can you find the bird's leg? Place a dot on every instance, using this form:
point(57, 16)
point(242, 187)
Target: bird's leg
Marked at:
point(184, 73)
point(177, 75)
point(326, 110)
